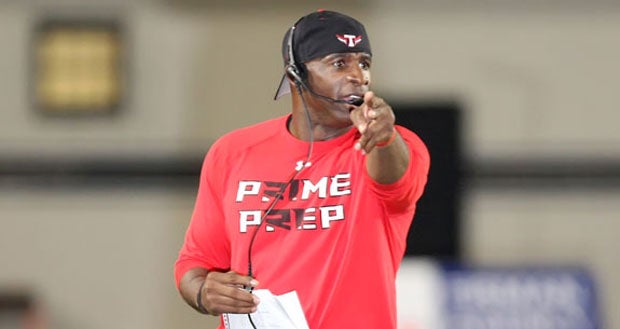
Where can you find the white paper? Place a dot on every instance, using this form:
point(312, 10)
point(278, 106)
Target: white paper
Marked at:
point(273, 312)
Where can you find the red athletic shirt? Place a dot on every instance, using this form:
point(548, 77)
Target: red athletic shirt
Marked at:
point(336, 236)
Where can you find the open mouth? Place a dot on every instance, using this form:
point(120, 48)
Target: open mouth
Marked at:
point(355, 100)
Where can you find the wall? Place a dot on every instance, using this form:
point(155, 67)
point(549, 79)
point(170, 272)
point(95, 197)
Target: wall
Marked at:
point(97, 258)
point(537, 82)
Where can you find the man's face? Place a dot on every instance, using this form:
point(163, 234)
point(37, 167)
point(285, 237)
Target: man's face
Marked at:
point(340, 76)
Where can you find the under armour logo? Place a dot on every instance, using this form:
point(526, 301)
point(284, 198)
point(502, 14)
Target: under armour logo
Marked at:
point(349, 39)
point(301, 164)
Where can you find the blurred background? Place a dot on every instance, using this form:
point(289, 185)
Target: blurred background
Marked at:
point(107, 108)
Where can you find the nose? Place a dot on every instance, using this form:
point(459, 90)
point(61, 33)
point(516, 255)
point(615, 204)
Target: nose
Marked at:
point(358, 76)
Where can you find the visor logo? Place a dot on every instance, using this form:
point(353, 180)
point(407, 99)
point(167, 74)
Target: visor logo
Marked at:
point(349, 39)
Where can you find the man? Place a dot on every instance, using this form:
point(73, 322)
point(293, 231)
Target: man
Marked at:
point(318, 202)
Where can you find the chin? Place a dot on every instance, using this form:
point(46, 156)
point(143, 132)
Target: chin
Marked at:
point(343, 116)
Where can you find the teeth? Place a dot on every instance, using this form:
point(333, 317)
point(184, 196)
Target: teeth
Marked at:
point(353, 98)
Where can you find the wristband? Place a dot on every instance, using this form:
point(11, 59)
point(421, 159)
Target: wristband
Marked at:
point(389, 141)
point(199, 305)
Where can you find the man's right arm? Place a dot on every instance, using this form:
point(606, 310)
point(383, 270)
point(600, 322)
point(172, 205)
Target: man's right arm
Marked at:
point(221, 292)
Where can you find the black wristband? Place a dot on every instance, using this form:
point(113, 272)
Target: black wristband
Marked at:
point(199, 305)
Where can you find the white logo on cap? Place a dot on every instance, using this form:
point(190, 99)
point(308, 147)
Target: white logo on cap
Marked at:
point(349, 39)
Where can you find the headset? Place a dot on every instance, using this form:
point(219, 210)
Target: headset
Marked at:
point(291, 67)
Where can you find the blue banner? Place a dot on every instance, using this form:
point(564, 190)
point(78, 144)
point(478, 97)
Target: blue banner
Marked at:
point(519, 299)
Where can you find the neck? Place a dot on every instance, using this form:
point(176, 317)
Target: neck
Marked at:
point(298, 126)
point(324, 126)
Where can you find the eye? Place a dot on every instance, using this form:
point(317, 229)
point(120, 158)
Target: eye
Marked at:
point(339, 63)
point(365, 65)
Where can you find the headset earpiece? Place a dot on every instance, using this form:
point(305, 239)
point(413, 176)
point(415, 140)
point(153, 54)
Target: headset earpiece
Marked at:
point(292, 71)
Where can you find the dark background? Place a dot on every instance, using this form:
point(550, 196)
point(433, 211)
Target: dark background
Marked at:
point(436, 224)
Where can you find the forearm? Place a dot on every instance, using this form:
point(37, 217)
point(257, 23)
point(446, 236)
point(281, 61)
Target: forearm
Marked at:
point(191, 282)
point(386, 164)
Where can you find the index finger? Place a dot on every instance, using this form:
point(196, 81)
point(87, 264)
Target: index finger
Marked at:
point(368, 103)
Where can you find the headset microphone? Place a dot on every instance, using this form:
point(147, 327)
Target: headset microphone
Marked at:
point(354, 100)
point(291, 70)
